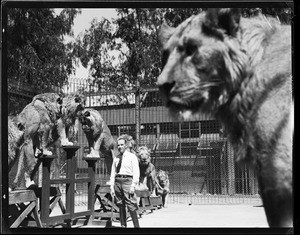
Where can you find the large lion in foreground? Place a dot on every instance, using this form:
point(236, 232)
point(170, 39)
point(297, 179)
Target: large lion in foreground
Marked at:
point(98, 136)
point(240, 71)
point(43, 122)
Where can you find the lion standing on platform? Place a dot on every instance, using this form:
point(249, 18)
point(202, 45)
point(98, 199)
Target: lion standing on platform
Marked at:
point(98, 136)
point(239, 70)
point(42, 123)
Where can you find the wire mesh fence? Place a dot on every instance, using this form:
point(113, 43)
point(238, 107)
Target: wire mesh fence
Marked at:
point(195, 153)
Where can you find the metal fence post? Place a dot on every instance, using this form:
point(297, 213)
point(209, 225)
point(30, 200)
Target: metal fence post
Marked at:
point(137, 113)
point(231, 170)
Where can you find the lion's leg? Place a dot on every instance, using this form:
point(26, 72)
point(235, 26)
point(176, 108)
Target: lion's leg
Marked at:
point(277, 200)
point(152, 187)
point(165, 199)
point(44, 139)
point(62, 133)
point(31, 163)
point(97, 146)
point(20, 167)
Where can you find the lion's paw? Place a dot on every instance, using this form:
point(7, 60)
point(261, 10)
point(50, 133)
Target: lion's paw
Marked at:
point(66, 143)
point(37, 153)
point(47, 152)
point(29, 183)
point(91, 155)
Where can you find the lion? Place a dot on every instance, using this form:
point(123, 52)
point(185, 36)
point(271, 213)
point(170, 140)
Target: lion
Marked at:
point(43, 122)
point(72, 106)
point(147, 170)
point(38, 120)
point(162, 185)
point(17, 148)
point(98, 136)
point(239, 71)
point(15, 140)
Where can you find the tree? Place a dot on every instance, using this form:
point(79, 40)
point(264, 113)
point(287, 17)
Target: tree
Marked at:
point(137, 31)
point(36, 53)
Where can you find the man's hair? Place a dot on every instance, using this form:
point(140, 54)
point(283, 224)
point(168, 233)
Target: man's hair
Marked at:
point(123, 137)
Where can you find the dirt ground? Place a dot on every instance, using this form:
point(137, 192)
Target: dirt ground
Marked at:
point(202, 216)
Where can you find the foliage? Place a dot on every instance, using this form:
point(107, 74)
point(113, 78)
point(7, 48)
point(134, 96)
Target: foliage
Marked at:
point(134, 39)
point(36, 53)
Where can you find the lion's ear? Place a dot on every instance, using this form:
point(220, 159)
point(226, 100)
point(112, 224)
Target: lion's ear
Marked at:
point(225, 18)
point(165, 33)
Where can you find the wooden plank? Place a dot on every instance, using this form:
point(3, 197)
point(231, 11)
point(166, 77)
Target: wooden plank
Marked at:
point(102, 189)
point(20, 196)
point(23, 215)
point(144, 193)
point(83, 213)
point(155, 200)
point(37, 217)
point(60, 181)
point(59, 219)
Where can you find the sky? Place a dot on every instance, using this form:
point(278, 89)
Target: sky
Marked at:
point(82, 22)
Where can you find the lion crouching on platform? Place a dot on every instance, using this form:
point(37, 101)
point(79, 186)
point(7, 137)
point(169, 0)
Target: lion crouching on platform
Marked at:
point(98, 136)
point(238, 70)
point(162, 185)
point(147, 170)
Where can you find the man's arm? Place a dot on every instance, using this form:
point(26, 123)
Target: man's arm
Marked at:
point(136, 171)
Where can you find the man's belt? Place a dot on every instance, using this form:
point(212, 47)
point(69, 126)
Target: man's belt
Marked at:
point(123, 176)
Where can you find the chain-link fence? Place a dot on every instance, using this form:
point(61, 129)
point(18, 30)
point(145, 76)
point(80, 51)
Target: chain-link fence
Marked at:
point(195, 153)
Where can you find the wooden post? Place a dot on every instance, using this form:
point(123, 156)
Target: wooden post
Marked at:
point(46, 164)
point(70, 186)
point(91, 184)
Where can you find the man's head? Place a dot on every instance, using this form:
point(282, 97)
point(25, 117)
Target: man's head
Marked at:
point(130, 141)
point(122, 143)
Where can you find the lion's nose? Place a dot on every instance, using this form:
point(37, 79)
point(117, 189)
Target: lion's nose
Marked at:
point(166, 88)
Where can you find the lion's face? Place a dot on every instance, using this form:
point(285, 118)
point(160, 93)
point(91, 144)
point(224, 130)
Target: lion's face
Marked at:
point(72, 105)
point(195, 60)
point(144, 156)
point(86, 120)
point(163, 178)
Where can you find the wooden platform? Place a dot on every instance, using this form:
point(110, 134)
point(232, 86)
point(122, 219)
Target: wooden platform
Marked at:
point(107, 210)
point(148, 202)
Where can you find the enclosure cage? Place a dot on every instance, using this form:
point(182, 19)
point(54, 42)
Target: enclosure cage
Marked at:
point(196, 153)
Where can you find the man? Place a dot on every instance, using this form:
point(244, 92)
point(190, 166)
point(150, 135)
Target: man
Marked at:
point(125, 173)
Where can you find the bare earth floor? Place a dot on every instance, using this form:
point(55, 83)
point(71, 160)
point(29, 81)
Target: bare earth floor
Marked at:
point(203, 216)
